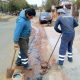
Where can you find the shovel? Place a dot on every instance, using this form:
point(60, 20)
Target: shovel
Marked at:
point(10, 70)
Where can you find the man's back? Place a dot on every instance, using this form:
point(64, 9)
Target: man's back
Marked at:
point(67, 23)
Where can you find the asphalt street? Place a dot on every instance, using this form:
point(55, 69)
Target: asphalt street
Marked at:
point(6, 45)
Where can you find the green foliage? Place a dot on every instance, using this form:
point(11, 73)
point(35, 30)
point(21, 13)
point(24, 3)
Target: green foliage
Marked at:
point(16, 5)
point(78, 3)
point(3, 6)
point(13, 5)
point(49, 3)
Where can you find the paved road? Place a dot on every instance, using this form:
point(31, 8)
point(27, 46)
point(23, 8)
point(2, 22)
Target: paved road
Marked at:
point(6, 44)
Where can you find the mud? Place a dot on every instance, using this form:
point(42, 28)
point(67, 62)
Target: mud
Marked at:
point(40, 50)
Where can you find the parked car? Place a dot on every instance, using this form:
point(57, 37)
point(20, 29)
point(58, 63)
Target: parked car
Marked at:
point(45, 17)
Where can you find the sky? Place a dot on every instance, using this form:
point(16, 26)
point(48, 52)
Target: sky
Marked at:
point(38, 2)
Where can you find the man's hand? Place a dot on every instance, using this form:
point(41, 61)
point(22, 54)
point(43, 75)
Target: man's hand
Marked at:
point(16, 46)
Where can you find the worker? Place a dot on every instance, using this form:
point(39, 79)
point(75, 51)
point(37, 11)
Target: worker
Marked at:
point(21, 36)
point(67, 25)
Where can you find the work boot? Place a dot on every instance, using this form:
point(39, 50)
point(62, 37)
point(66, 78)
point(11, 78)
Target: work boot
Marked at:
point(27, 66)
point(70, 59)
point(60, 64)
point(18, 62)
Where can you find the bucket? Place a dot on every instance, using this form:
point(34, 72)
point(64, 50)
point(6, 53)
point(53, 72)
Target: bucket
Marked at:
point(17, 76)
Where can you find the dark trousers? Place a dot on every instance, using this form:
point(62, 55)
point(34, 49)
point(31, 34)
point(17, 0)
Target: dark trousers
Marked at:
point(23, 55)
point(66, 45)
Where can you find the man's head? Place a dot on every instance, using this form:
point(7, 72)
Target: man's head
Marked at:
point(30, 12)
point(61, 11)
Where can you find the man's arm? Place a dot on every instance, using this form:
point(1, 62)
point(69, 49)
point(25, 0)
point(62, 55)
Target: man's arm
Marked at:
point(17, 32)
point(56, 26)
point(75, 24)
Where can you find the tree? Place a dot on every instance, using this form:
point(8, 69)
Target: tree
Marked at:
point(78, 4)
point(17, 5)
point(75, 7)
point(55, 2)
point(49, 3)
point(3, 6)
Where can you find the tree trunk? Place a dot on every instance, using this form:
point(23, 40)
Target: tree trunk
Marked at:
point(75, 11)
